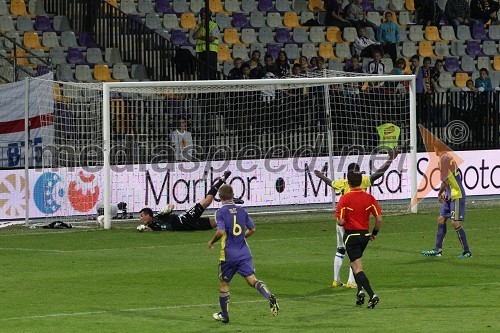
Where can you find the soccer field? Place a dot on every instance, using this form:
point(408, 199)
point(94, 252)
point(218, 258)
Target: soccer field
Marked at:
point(120, 280)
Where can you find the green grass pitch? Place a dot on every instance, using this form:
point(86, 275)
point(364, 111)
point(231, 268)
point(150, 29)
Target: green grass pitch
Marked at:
point(120, 280)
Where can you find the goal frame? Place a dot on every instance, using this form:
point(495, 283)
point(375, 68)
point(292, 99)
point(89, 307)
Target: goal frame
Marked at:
point(106, 124)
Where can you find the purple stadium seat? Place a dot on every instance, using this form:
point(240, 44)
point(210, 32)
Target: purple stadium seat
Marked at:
point(178, 37)
point(265, 5)
point(479, 32)
point(163, 6)
point(273, 50)
point(75, 56)
point(86, 38)
point(240, 20)
point(43, 23)
point(42, 69)
point(451, 64)
point(283, 36)
point(473, 48)
point(367, 5)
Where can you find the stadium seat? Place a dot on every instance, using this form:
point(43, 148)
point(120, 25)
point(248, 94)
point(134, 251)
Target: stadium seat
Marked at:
point(380, 5)
point(306, 16)
point(325, 50)
point(282, 35)
point(409, 49)
point(32, 41)
point(57, 56)
point(240, 20)
point(188, 21)
point(300, 35)
point(370, 33)
point(112, 56)
point(479, 32)
point(4, 9)
point(249, 6)
point(317, 34)
point(61, 23)
point(139, 72)
point(442, 49)
point(241, 51)
point(231, 36)
point(6, 23)
point(273, 50)
point(86, 38)
point(120, 72)
point(178, 38)
point(451, 64)
point(291, 20)
point(473, 48)
point(83, 74)
point(226, 67)
point(299, 5)
point(410, 5)
point(75, 56)
point(68, 39)
point(448, 33)
point(283, 5)
point(18, 8)
point(388, 64)
point(494, 32)
point(496, 63)
point(145, 6)
point(350, 34)
point(12, 35)
point(333, 35)
point(316, 6)
point(223, 21)
point(490, 48)
point(153, 21)
point(50, 39)
point(266, 35)
point(457, 48)
point(463, 33)
point(128, 6)
point(404, 18)
point(103, 74)
point(292, 51)
point(162, 7)
point(180, 6)
point(232, 6)
point(223, 53)
point(484, 62)
point(461, 79)
point(309, 50)
point(216, 6)
point(248, 36)
point(467, 64)
point(425, 49)
point(196, 5)
point(24, 23)
point(397, 5)
point(374, 17)
point(342, 50)
point(274, 20)
point(265, 5)
point(432, 33)
point(64, 73)
point(445, 80)
point(37, 57)
point(335, 65)
point(170, 21)
point(416, 33)
point(257, 20)
point(42, 23)
point(94, 55)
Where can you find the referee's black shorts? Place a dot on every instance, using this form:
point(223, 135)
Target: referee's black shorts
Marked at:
point(355, 243)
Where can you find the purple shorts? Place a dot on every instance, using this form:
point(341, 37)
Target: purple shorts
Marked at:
point(453, 209)
point(243, 267)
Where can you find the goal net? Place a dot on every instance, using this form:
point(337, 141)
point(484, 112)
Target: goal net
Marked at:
point(129, 145)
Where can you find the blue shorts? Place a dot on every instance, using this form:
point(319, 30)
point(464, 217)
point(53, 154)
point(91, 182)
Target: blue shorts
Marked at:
point(453, 209)
point(243, 267)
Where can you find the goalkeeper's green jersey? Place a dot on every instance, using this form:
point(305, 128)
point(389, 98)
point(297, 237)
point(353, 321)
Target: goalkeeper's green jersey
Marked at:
point(342, 186)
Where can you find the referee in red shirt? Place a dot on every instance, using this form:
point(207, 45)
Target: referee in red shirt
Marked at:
point(354, 209)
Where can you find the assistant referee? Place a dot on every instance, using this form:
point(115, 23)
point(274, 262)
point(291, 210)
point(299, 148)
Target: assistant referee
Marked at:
point(354, 209)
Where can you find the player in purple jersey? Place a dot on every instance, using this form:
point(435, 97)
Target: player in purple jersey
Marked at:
point(452, 197)
point(233, 227)
point(189, 220)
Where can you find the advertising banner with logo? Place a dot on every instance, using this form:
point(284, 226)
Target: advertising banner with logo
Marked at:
point(12, 117)
point(76, 191)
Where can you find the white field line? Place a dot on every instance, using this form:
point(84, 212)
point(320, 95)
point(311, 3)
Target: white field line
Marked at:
point(215, 305)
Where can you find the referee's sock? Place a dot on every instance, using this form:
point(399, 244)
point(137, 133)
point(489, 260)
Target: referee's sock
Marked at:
point(362, 279)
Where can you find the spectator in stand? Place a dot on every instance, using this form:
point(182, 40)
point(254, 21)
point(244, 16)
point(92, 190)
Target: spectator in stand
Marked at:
point(428, 12)
point(313, 64)
point(269, 65)
point(235, 73)
point(458, 13)
point(255, 59)
point(376, 66)
point(399, 67)
point(304, 64)
point(354, 66)
point(435, 74)
point(484, 86)
point(364, 46)
point(356, 15)
point(182, 141)
point(335, 14)
point(388, 36)
point(245, 71)
point(484, 11)
point(425, 90)
point(208, 69)
point(483, 82)
point(282, 64)
point(319, 94)
point(415, 65)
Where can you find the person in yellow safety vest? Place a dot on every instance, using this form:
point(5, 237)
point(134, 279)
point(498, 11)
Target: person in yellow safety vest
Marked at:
point(207, 66)
point(388, 135)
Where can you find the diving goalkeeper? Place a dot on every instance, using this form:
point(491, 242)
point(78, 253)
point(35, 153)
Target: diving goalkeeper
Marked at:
point(342, 186)
point(189, 220)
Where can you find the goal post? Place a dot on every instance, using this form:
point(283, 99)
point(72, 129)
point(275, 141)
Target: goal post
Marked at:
point(149, 144)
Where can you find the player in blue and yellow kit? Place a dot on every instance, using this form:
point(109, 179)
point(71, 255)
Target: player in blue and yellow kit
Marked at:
point(233, 227)
point(452, 196)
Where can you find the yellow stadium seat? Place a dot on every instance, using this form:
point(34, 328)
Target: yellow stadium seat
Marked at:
point(425, 49)
point(102, 73)
point(461, 79)
point(216, 6)
point(291, 20)
point(57, 94)
point(188, 21)
point(231, 36)
point(316, 5)
point(432, 34)
point(18, 8)
point(32, 41)
point(334, 35)
point(326, 51)
point(20, 56)
point(223, 53)
point(496, 63)
point(410, 5)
